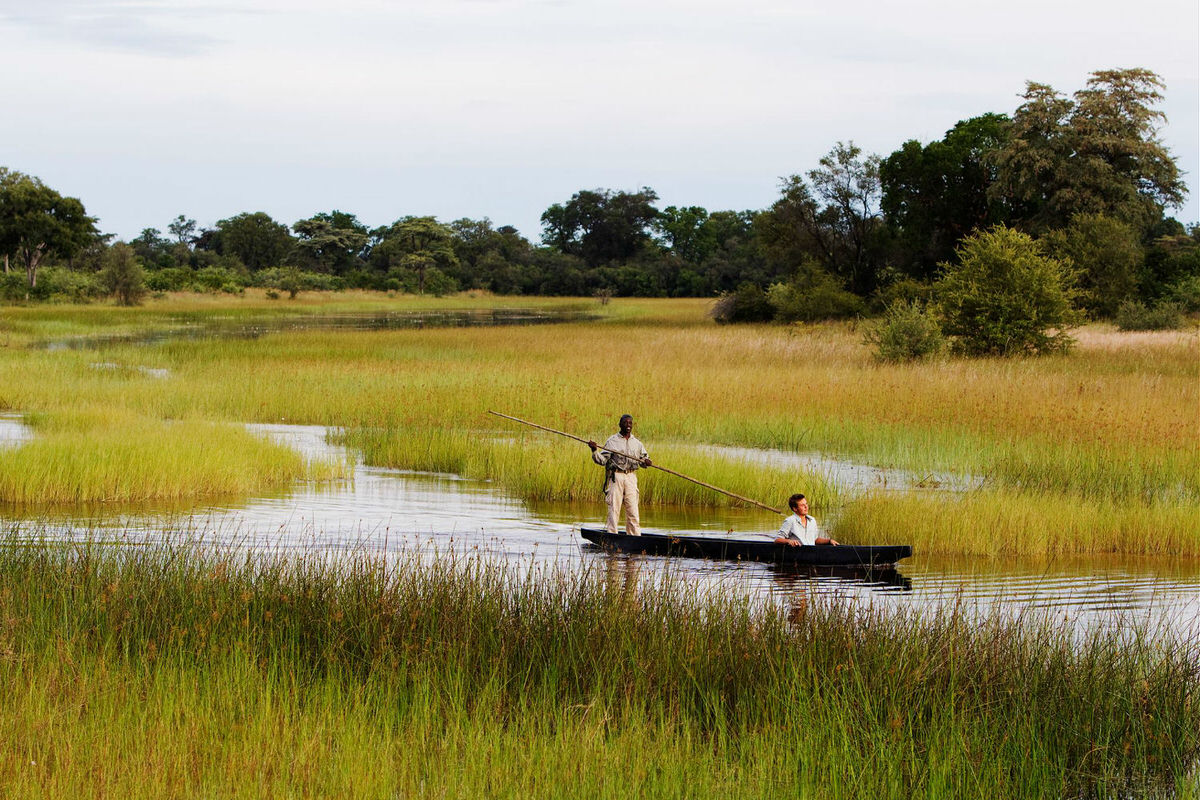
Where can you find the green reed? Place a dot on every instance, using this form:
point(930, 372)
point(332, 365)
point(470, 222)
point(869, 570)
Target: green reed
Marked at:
point(180, 670)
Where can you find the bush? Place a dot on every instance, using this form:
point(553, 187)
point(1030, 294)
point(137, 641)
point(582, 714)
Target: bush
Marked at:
point(170, 279)
point(64, 284)
point(1006, 297)
point(215, 279)
point(811, 295)
point(748, 304)
point(1107, 255)
point(1134, 315)
point(908, 332)
point(1186, 292)
point(122, 275)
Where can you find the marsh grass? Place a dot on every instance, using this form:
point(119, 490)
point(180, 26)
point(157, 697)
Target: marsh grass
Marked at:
point(1114, 422)
point(90, 455)
point(165, 670)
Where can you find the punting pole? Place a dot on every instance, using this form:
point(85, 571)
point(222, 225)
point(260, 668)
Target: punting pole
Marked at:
point(652, 466)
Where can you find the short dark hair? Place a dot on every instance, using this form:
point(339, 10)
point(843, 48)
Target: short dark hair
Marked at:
point(794, 501)
point(626, 416)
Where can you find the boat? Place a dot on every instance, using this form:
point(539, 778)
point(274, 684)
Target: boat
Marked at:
point(670, 544)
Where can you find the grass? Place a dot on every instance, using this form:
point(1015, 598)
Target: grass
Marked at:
point(91, 455)
point(176, 671)
point(1099, 439)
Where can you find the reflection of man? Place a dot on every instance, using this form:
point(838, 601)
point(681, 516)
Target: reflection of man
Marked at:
point(800, 528)
point(621, 456)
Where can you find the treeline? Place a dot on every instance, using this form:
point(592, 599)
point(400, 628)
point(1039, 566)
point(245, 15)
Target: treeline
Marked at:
point(1086, 177)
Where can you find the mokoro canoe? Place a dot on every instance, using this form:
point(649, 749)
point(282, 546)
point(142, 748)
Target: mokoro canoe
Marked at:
point(659, 544)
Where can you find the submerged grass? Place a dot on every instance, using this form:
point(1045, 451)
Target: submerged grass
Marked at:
point(176, 671)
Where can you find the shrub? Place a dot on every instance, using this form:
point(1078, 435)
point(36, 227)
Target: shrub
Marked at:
point(1186, 292)
point(811, 295)
point(122, 275)
point(215, 279)
point(1107, 255)
point(65, 284)
point(1005, 296)
point(748, 304)
point(908, 332)
point(170, 279)
point(1134, 315)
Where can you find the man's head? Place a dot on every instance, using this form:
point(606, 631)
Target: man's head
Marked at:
point(798, 504)
point(625, 425)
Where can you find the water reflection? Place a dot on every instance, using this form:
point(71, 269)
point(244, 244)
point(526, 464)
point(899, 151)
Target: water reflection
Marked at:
point(209, 327)
point(393, 512)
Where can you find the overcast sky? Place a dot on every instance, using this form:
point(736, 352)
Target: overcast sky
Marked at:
point(498, 108)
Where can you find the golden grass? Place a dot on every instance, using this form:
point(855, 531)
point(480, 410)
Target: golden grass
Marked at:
point(1113, 422)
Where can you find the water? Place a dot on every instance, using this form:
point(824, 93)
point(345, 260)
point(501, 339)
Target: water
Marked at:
point(394, 511)
point(216, 327)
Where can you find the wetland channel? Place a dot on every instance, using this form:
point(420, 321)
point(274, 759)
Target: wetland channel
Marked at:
point(394, 512)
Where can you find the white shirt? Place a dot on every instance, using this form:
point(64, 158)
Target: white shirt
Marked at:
point(794, 527)
point(619, 447)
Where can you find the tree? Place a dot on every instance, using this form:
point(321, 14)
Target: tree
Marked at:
point(601, 226)
point(843, 234)
point(36, 221)
point(255, 239)
point(416, 244)
point(686, 233)
point(1096, 154)
point(183, 229)
point(1107, 255)
point(936, 194)
point(122, 274)
point(1005, 296)
point(331, 242)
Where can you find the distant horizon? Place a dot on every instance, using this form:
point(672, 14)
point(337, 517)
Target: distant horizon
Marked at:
point(501, 108)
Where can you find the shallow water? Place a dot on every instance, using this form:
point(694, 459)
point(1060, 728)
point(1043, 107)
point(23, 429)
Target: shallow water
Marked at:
point(394, 511)
point(216, 327)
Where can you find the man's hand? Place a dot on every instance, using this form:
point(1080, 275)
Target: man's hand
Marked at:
point(593, 445)
point(646, 462)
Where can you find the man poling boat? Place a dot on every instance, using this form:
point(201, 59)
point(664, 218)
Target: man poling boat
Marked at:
point(796, 542)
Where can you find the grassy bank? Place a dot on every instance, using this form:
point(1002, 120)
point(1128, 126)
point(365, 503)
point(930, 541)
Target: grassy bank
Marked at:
point(1101, 437)
point(172, 671)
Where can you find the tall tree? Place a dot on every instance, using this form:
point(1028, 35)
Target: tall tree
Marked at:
point(256, 239)
point(331, 242)
point(183, 229)
point(36, 221)
point(1096, 154)
point(419, 244)
point(936, 194)
point(601, 226)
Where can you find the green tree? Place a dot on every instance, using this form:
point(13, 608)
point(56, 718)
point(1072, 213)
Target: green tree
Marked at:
point(122, 275)
point(934, 195)
point(1096, 154)
point(331, 242)
point(416, 244)
point(1107, 255)
point(36, 221)
point(183, 229)
point(255, 239)
point(1005, 296)
point(837, 221)
point(601, 226)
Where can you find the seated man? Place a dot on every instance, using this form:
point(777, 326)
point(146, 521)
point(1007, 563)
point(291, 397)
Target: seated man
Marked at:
point(800, 528)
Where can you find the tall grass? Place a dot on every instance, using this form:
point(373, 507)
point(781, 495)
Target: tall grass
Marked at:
point(159, 671)
point(1112, 423)
point(104, 455)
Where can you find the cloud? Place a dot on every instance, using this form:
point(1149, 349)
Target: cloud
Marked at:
point(147, 28)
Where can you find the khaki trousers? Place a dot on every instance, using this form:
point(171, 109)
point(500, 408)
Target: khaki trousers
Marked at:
point(623, 491)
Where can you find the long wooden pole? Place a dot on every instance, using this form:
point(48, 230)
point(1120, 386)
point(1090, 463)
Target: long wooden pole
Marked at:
point(652, 466)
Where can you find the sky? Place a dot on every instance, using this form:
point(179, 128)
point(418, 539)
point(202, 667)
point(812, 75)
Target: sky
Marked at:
point(149, 109)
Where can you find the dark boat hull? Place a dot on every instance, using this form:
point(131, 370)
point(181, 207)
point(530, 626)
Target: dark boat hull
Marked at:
point(844, 555)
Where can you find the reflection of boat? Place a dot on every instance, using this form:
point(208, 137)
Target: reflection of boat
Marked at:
point(879, 577)
point(843, 555)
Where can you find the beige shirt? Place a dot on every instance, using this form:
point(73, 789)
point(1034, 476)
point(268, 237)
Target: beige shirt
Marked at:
point(620, 449)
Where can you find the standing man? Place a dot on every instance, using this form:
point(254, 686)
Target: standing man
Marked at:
point(621, 457)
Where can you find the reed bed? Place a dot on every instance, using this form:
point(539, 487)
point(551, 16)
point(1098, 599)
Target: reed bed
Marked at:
point(1112, 423)
point(177, 671)
point(95, 455)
